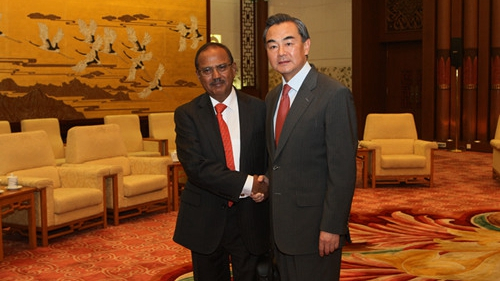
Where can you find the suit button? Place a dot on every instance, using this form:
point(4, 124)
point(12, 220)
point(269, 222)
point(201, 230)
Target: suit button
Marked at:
point(275, 167)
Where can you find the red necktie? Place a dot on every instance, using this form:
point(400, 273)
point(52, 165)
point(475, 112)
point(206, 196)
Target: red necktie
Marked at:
point(226, 138)
point(282, 112)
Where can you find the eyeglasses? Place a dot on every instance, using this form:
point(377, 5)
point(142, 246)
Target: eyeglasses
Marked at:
point(221, 68)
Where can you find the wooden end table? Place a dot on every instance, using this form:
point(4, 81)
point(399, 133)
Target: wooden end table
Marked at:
point(365, 155)
point(19, 199)
point(173, 177)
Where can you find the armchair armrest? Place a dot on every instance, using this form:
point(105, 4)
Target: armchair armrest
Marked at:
point(38, 183)
point(150, 165)
point(423, 147)
point(153, 144)
point(370, 145)
point(495, 143)
point(88, 176)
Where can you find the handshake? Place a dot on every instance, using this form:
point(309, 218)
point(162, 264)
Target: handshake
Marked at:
point(260, 188)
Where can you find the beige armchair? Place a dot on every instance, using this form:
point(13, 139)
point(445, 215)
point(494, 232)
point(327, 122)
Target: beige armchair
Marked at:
point(495, 144)
point(68, 198)
point(162, 129)
point(130, 129)
point(400, 157)
point(4, 127)
point(51, 126)
point(141, 183)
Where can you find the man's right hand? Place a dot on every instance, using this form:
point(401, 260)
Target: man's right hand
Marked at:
point(260, 188)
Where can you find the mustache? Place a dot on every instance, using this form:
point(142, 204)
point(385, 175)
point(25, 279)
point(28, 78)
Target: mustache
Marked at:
point(217, 81)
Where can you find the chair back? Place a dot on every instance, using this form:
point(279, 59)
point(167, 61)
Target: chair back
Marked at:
point(162, 126)
point(390, 126)
point(24, 151)
point(94, 142)
point(49, 125)
point(130, 129)
point(4, 127)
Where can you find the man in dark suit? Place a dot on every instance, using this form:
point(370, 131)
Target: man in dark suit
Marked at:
point(312, 167)
point(223, 217)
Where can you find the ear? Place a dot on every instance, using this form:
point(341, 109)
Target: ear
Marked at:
point(307, 46)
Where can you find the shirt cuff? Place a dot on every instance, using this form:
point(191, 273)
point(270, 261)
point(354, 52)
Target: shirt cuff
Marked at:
point(247, 188)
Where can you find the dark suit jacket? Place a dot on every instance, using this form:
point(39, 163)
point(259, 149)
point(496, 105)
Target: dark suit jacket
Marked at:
point(203, 209)
point(313, 169)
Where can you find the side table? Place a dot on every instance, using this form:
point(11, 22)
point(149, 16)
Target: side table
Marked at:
point(20, 199)
point(366, 155)
point(173, 177)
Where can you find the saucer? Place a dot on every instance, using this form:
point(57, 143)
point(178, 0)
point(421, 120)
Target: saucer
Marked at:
point(14, 187)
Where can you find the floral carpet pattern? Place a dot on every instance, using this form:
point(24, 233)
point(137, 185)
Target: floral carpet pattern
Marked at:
point(448, 232)
point(412, 232)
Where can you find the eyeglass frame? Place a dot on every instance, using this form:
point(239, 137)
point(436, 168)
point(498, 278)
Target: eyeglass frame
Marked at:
point(209, 70)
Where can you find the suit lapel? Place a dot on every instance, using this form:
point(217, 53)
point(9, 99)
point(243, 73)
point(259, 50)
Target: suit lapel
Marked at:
point(207, 117)
point(246, 127)
point(303, 99)
point(271, 110)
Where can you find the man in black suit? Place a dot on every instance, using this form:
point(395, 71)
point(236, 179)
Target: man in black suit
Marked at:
point(312, 167)
point(223, 215)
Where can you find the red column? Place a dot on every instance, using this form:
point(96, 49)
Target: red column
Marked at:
point(495, 66)
point(443, 70)
point(469, 71)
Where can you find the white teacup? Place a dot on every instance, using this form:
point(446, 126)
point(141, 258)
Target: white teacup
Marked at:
point(12, 181)
point(173, 154)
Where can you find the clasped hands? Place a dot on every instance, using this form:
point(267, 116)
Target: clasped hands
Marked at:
point(260, 188)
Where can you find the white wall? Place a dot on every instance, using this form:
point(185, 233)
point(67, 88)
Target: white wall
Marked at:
point(329, 25)
point(328, 22)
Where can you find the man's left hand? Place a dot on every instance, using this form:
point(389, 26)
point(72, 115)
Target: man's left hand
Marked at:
point(328, 243)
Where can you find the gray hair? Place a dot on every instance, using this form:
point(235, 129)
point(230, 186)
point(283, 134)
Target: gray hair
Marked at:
point(280, 18)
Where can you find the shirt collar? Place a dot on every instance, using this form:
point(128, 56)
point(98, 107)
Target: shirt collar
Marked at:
point(299, 78)
point(230, 101)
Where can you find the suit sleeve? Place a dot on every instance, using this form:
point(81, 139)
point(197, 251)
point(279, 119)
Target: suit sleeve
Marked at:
point(200, 160)
point(341, 144)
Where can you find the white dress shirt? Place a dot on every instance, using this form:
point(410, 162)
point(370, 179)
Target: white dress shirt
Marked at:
point(231, 116)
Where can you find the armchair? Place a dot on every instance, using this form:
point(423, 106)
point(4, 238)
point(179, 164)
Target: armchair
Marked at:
point(67, 199)
point(130, 129)
point(4, 127)
point(51, 126)
point(162, 129)
point(399, 155)
point(495, 144)
point(141, 183)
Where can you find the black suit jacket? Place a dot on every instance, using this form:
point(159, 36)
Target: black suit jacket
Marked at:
point(312, 170)
point(202, 213)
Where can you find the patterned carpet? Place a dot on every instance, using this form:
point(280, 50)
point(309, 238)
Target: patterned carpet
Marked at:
point(448, 232)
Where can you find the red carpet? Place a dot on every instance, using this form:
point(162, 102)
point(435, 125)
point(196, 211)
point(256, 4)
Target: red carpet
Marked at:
point(448, 232)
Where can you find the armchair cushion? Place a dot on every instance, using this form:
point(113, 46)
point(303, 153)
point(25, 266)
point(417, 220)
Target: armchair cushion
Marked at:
point(51, 126)
point(134, 185)
point(71, 199)
point(130, 130)
point(18, 155)
point(402, 161)
point(4, 127)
